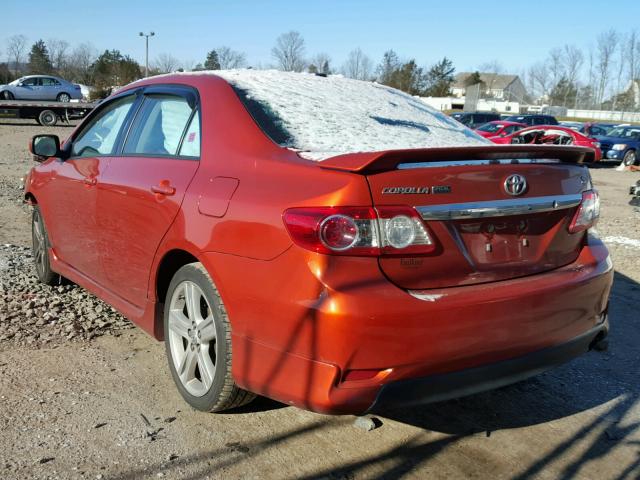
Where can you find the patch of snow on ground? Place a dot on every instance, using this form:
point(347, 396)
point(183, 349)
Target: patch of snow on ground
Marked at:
point(336, 115)
point(626, 241)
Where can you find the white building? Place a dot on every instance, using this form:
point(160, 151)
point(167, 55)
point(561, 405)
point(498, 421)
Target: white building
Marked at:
point(492, 85)
point(483, 105)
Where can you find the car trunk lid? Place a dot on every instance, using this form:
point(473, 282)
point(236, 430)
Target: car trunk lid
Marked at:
point(482, 231)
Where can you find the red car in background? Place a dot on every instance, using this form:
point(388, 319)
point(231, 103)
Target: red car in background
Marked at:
point(550, 135)
point(329, 243)
point(499, 128)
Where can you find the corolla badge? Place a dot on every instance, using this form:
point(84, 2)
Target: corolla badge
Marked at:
point(515, 185)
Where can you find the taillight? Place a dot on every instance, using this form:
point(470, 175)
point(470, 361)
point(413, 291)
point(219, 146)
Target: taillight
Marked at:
point(359, 230)
point(588, 212)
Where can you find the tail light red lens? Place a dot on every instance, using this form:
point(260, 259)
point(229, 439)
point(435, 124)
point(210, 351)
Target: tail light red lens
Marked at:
point(359, 230)
point(588, 212)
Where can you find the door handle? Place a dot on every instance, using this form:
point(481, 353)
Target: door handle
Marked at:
point(90, 181)
point(164, 188)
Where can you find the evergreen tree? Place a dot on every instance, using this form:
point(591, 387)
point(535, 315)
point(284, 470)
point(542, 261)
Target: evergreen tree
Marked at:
point(113, 69)
point(212, 62)
point(408, 78)
point(439, 79)
point(39, 61)
point(564, 93)
point(387, 67)
point(473, 79)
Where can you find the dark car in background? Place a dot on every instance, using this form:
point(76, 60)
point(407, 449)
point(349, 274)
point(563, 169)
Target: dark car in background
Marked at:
point(597, 129)
point(41, 87)
point(621, 143)
point(532, 120)
point(474, 120)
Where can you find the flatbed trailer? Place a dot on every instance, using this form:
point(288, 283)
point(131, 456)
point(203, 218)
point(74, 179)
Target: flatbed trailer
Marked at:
point(45, 113)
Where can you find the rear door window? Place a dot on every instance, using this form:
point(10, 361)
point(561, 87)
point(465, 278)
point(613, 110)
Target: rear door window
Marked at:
point(191, 144)
point(101, 134)
point(160, 125)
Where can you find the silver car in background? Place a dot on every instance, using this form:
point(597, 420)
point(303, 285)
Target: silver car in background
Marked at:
point(41, 87)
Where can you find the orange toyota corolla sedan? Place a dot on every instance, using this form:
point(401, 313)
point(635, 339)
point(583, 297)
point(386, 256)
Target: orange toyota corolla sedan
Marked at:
point(329, 243)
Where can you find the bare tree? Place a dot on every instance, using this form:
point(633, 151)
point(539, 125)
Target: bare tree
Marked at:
point(188, 65)
point(289, 51)
point(358, 65)
point(166, 63)
point(540, 78)
point(16, 49)
point(605, 48)
point(58, 54)
point(229, 58)
point(573, 59)
point(80, 61)
point(321, 63)
point(621, 67)
point(493, 68)
point(555, 66)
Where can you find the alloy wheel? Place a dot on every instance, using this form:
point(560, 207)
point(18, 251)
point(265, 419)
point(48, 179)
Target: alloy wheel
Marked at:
point(39, 246)
point(629, 159)
point(192, 338)
point(64, 98)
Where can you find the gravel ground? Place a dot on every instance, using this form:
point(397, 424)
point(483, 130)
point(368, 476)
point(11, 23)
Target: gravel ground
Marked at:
point(35, 314)
point(84, 396)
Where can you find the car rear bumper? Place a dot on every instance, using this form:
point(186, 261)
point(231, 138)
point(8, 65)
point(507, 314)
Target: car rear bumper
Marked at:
point(437, 388)
point(341, 338)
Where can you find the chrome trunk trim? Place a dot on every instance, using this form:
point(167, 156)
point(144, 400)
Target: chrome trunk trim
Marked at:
point(464, 163)
point(499, 208)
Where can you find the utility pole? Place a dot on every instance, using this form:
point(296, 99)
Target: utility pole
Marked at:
point(146, 57)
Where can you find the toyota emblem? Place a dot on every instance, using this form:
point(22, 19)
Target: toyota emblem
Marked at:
point(515, 185)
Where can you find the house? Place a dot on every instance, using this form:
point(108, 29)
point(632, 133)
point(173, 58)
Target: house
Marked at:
point(492, 85)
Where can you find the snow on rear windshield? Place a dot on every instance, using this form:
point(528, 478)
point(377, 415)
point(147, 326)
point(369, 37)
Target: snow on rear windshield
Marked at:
point(323, 117)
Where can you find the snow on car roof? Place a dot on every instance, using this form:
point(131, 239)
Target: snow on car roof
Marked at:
point(328, 116)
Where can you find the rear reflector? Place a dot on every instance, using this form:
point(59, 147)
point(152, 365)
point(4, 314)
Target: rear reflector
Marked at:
point(362, 231)
point(588, 212)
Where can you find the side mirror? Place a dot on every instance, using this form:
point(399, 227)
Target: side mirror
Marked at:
point(44, 146)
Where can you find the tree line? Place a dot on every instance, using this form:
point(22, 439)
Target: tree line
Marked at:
point(601, 76)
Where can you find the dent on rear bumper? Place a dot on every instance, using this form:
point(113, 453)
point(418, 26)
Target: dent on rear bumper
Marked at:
point(303, 321)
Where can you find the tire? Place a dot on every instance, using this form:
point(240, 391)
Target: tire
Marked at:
point(198, 342)
point(629, 158)
point(63, 97)
point(40, 249)
point(48, 118)
point(7, 95)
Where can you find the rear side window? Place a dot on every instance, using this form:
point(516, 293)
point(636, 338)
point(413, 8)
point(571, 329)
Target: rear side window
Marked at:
point(159, 126)
point(49, 82)
point(191, 144)
point(99, 137)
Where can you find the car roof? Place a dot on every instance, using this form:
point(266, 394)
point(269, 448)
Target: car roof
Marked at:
point(43, 76)
point(507, 123)
point(377, 118)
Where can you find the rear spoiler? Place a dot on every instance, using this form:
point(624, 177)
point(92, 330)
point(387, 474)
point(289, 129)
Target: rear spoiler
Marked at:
point(376, 162)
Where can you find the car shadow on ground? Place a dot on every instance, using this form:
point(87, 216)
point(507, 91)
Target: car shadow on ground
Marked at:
point(591, 381)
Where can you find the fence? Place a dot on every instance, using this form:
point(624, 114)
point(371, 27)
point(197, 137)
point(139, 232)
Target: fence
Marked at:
point(605, 115)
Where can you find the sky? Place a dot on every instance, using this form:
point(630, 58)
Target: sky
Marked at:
point(470, 33)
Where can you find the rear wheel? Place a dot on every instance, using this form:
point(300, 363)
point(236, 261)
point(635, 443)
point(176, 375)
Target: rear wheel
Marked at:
point(629, 158)
point(64, 97)
point(40, 249)
point(197, 336)
point(48, 118)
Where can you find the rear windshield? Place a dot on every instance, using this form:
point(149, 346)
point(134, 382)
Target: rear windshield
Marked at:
point(326, 116)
